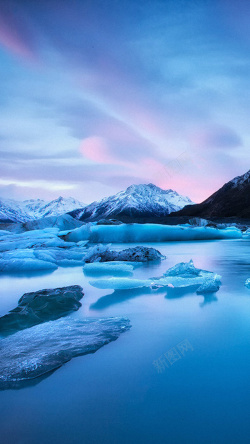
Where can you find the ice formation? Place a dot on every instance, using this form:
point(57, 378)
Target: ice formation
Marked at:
point(126, 233)
point(183, 269)
point(41, 306)
point(38, 250)
point(102, 253)
point(247, 283)
point(183, 275)
point(101, 268)
point(116, 283)
point(38, 350)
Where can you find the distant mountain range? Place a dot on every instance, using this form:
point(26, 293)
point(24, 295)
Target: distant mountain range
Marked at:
point(136, 203)
point(231, 200)
point(15, 211)
point(139, 203)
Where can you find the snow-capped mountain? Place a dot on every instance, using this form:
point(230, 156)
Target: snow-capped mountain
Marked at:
point(137, 201)
point(15, 211)
point(231, 200)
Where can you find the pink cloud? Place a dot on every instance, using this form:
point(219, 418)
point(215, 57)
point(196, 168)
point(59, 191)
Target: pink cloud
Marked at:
point(14, 36)
point(94, 148)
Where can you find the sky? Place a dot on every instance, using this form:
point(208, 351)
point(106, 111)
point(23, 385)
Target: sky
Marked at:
point(96, 95)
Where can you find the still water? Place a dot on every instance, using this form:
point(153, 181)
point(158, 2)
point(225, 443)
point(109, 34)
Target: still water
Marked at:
point(120, 394)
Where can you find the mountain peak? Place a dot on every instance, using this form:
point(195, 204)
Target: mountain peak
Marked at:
point(231, 200)
point(137, 201)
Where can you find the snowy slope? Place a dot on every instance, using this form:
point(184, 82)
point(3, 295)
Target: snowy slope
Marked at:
point(135, 201)
point(11, 210)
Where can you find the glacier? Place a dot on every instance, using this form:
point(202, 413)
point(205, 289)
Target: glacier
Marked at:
point(41, 306)
point(37, 351)
point(130, 233)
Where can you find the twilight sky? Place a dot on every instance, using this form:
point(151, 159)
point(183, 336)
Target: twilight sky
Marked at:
point(96, 95)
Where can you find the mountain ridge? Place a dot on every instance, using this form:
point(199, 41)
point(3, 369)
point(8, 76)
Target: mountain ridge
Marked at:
point(231, 200)
point(33, 209)
point(136, 202)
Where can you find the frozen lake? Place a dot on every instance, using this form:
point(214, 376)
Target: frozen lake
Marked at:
point(118, 394)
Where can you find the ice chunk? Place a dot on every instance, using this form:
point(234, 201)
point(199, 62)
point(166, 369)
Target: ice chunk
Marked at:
point(102, 253)
point(247, 283)
point(31, 259)
point(183, 275)
point(25, 265)
point(149, 233)
point(121, 283)
point(101, 268)
point(41, 306)
point(43, 348)
point(210, 285)
point(183, 269)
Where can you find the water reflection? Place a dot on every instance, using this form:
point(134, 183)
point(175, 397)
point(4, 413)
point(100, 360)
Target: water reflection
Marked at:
point(117, 297)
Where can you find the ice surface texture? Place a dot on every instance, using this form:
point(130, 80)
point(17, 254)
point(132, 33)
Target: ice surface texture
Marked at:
point(183, 275)
point(41, 349)
point(127, 233)
point(102, 253)
point(38, 250)
point(113, 268)
point(41, 306)
point(247, 283)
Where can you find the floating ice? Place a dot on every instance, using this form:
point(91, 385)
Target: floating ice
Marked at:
point(127, 233)
point(41, 258)
point(101, 268)
point(43, 348)
point(46, 238)
point(247, 283)
point(210, 285)
point(102, 253)
point(183, 275)
point(183, 269)
point(121, 283)
point(41, 306)
point(14, 265)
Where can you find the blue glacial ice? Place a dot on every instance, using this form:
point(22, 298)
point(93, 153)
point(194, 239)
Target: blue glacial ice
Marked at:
point(129, 233)
point(247, 283)
point(110, 268)
point(117, 283)
point(41, 306)
point(183, 275)
point(37, 351)
point(38, 250)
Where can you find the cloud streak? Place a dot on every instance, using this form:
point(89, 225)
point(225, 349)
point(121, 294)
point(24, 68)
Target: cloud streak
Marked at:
point(112, 102)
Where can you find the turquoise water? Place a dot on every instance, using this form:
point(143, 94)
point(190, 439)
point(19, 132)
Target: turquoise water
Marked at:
point(117, 395)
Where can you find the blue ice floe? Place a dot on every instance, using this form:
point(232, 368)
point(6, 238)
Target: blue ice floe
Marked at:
point(183, 275)
point(37, 351)
point(129, 233)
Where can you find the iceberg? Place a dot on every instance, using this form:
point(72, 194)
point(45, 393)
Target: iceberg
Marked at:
point(102, 253)
point(129, 233)
point(101, 268)
point(35, 259)
point(41, 306)
point(25, 265)
point(116, 283)
point(183, 269)
point(210, 285)
point(247, 283)
point(183, 275)
point(37, 351)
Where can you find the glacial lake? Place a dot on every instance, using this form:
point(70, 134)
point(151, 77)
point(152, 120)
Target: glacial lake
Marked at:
point(121, 394)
